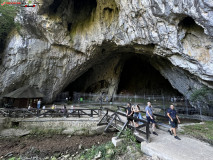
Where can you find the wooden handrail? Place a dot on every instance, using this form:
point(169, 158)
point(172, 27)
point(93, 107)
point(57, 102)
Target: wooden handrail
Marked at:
point(158, 115)
point(22, 112)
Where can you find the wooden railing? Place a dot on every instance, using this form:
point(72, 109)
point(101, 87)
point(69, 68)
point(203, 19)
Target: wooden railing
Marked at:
point(119, 121)
point(26, 113)
point(158, 123)
point(122, 108)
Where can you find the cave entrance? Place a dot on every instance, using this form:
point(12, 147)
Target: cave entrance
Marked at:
point(140, 77)
point(136, 76)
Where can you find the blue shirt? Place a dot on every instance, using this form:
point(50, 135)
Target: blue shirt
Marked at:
point(149, 109)
point(172, 113)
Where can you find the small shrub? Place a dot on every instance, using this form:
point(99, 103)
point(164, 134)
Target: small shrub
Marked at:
point(91, 153)
point(108, 151)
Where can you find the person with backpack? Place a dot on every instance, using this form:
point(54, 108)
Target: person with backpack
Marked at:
point(174, 120)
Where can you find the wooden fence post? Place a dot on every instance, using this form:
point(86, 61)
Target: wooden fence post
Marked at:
point(147, 133)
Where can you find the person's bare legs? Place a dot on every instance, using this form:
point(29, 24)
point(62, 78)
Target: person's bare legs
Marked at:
point(153, 127)
point(175, 135)
point(174, 131)
point(135, 124)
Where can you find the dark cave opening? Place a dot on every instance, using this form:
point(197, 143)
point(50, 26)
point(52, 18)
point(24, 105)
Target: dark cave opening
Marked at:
point(79, 84)
point(84, 5)
point(188, 23)
point(72, 11)
point(54, 6)
point(140, 77)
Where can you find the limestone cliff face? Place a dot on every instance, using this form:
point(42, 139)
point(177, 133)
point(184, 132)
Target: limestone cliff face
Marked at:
point(61, 39)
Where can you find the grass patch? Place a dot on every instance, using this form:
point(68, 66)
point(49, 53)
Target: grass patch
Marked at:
point(14, 158)
point(203, 132)
point(108, 151)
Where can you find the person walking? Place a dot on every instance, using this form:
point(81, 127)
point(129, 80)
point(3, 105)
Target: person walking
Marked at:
point(136, 110)
point(150, 117)
point(39, 104)
point(139, 116)
point(65, 111)
point(129, 113)
point(174, 120)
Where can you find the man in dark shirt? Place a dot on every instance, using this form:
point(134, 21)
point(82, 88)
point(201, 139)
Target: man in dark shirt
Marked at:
point(174, 120)
point(129, 113)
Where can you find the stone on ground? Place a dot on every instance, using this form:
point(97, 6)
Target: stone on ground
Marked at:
point(116, 142)
point(14, 132)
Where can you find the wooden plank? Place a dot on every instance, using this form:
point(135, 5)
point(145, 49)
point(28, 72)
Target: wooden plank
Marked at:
point(124, 127)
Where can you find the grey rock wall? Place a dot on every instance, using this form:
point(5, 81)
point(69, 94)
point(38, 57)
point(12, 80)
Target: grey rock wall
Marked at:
point(60, 40)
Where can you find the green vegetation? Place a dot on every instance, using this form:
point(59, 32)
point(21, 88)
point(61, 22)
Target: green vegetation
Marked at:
point(14, 158)
point(201, 131)
point(69, 102)
point(201, 95)
point(108, 151)
point(95, 150)
point(41, 131)
point(7, 14)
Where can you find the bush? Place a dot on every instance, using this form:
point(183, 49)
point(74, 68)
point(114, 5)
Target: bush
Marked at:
point(202, 95)
point(7, 14)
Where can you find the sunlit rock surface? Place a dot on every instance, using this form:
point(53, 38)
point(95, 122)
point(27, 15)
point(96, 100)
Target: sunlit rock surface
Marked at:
point(61, 39)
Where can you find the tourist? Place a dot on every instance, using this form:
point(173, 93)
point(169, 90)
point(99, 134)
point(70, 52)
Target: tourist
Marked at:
point(139, 115)
point(39, 104)
point(65, 111)
point(71, 109)
point(129, 113)
point(43, 110)
point(174, 120)
point(150, 117)
point(136, 110)
point(107, 99)
point(53, 107)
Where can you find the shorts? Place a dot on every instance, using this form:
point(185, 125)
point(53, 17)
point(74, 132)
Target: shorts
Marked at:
point(150, 120)
point(174, 123)
point(129, 118)
point(135, 116)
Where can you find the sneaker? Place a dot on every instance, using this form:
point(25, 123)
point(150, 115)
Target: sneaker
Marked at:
point(176, 137)
point(170, 132)
point(155, 133)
